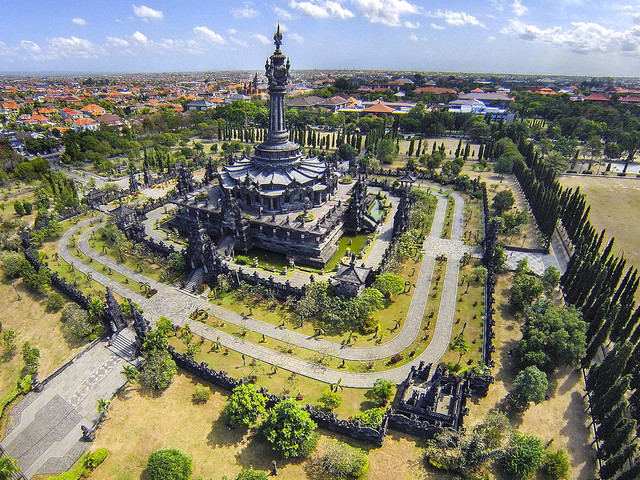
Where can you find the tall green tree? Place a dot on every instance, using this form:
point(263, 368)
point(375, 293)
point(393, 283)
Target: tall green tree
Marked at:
point(246, 406)
point(289, 429)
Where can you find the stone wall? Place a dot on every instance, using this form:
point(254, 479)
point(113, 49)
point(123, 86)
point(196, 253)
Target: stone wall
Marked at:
point(61, 284)
point(350, 428)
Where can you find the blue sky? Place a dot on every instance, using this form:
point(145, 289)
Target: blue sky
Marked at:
point(578, 37)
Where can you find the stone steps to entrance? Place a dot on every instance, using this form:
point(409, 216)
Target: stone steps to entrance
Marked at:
point(123, 344)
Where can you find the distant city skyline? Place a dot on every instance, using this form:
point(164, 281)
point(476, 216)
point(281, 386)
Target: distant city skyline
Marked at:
point(545, 37)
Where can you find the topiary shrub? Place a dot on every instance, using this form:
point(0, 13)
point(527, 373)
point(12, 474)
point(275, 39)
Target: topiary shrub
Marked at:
point(96, 458)
point(556, 465)
point(248, 474)
point(169, 464)
point(201, 395)
point(55, 302)
point(342, 461)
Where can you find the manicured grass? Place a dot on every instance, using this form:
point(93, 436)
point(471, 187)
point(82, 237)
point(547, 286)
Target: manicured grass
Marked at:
point(448, 219)
point(468, 317)
point(201, 432)
point(355, 244)
point(276, 314)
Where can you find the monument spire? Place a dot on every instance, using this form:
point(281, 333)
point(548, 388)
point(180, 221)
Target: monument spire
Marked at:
point(277, 72)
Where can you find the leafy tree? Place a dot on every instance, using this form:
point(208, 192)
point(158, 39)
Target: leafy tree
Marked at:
point(18, 207)
point(177, 262)
point(504, 164)
point(169, 464)
point(556, 465)
point(556, 162)
point(12, 264)
point(382, 391)
point(524, 455)
point(8, 467)
point(551, 337)
point(76, 320)
point(550, 278)
point(387, 150)
point(248, 474)
point(503, 201)
point(246, 406)
point(55, 302)
point(346, 152)
point(31, 357)
point(330, 400)
point(530, 385)
point(389, 284)
point(461, 345)
point(158, 369)
point(524, 290)
point(290, 430)
point(340, 460)
point(371, 418)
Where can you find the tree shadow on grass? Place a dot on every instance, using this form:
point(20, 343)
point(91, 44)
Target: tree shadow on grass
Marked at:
point(578, 437)
point(257, 454)
point(223, 435)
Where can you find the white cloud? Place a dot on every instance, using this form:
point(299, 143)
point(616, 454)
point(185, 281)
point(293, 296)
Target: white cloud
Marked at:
point(117, 42)
point(491, 38)
point(437, 27)
point(322, 9)
point(408, 24)
point(140, 38)
point(299, 39)
point(244, 12)
point(232, 31)
point(30, 46)
point(583, 37)
point(261, 38)
point(456, 19)
point(238, 41)
point(208, 35)
point(147, 13)
point(71, 47)
point(81, 22)
point(386, 12)
point(282, 13)
point(413, 37)
point(518, 8)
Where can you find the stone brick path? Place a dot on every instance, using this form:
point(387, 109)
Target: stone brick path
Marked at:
point(177, 305)
point(44, 434)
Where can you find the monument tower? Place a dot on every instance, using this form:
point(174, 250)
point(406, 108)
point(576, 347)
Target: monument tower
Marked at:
point(278, 177)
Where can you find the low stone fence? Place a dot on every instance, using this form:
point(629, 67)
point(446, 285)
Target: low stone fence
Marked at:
point(60, 283)
point(350, 428)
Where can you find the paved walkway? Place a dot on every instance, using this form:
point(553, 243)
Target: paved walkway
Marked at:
point(177, 305)
point(44, 429)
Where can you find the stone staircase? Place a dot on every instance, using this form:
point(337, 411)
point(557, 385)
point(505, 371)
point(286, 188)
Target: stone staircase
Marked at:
point(123, 344)
point(195, 280)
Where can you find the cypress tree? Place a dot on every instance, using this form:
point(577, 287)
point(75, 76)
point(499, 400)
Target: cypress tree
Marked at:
point(411, 147)
point(602, 401)
point(618, 439)
point(632, 473)
point(617, 461)
point(419, 147)
point(612, 419)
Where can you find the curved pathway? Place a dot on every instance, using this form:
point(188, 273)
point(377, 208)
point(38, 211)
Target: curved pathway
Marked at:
point(177, 305)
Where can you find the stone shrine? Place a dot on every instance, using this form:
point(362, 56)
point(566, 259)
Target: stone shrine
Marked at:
point(276, 199)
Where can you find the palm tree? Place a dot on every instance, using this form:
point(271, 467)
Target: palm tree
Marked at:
point(335, 386)
point(103, 407)
point(8, 467)
point(130, 373)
